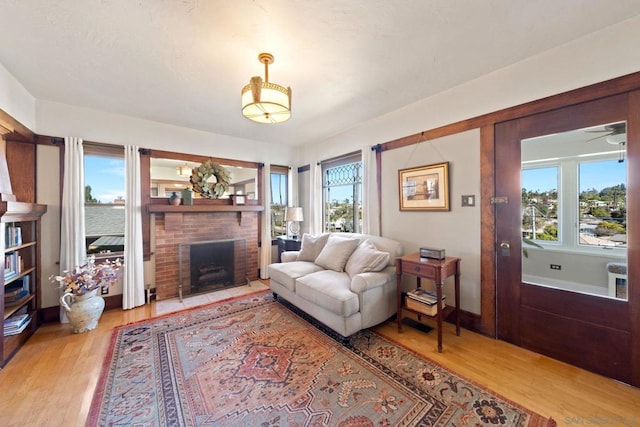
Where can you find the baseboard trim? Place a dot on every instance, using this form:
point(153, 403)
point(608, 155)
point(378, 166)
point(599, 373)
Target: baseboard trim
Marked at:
point(52, 314)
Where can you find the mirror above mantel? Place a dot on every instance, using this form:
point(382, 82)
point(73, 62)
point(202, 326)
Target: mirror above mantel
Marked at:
point(168, 175)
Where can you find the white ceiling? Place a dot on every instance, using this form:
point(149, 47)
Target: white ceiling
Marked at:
point(183, 62)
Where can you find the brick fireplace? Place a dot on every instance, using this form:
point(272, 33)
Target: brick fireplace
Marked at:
point(176, 225)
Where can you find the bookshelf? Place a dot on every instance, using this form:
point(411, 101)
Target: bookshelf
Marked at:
point(20, 243)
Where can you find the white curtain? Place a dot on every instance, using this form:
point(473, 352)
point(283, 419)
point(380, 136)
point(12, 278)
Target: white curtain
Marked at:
point(265, 248)
point(315, 200)
point(72, 236)
point(133, 278)
point(370, 206)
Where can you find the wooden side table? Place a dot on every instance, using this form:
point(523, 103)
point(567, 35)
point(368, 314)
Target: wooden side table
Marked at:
point(285, 244)
point(438, 271)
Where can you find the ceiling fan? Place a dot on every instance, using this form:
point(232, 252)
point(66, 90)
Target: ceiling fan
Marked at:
point(615, 134)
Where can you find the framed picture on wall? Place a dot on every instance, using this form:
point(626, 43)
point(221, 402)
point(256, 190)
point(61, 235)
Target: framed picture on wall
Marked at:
point(424, 188)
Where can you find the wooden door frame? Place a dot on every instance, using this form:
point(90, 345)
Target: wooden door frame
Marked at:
point(630, 83)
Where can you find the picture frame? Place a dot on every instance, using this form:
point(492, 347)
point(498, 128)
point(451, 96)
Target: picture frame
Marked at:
point(424, 188)
point(238, 199)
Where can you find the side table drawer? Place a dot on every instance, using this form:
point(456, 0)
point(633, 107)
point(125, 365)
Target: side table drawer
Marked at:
point(427, 271)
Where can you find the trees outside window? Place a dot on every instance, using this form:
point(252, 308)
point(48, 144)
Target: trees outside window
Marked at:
point(587, 208)
point(342, 194)
point(279, 196)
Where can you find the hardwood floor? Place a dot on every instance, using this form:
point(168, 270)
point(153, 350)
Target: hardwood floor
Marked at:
point(50, 382)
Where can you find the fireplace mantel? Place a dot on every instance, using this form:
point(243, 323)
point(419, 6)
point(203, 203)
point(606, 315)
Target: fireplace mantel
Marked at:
point(174, 214)
point(203, 208)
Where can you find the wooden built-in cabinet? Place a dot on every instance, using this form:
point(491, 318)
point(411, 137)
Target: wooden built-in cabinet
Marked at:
point(20, 243)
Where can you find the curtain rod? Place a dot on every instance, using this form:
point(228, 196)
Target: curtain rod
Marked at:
point(341, 157)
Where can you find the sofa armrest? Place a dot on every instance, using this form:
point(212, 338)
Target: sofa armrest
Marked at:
point(288, 256)
point(365, 281)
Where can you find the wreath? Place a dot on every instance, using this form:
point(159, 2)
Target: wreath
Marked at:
point(210, 190)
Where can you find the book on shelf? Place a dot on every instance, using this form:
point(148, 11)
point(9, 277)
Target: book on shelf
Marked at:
point(12, 236)
point(16, 324)
point(12, 265)
point(424, 308)
point(16, 297)
point(16, 291)
point(424, 296)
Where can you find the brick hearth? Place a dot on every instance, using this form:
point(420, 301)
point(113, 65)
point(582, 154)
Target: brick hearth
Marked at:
point(174, 228)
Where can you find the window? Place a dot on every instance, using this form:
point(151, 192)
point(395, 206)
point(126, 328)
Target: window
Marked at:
point(279, 197)
point(602, 211)
point(593, 194)
point(104, 199)
point(342, 194)
point(540, 203)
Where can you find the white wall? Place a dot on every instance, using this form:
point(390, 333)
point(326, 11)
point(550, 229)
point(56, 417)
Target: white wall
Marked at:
point(57, 119)
point(15, 100)
point(458, 230)
point(600, 56)
point(48, 193)
point(66, 120)
point(594, 58)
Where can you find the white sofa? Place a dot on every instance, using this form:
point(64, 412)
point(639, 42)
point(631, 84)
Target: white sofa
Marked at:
point(346, 281)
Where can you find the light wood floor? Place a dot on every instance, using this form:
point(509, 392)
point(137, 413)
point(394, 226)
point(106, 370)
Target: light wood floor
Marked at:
point(50, 382)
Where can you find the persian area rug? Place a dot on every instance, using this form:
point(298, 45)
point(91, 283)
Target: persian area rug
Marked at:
point(253, 361)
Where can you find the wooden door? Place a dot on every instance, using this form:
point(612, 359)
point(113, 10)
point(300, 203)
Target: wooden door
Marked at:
point(593, 332)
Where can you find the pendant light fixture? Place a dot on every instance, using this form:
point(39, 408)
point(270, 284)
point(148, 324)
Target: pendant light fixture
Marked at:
point(184, 171)
point(266, 102)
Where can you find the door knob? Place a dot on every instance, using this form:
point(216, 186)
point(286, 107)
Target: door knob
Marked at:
point(505, 248)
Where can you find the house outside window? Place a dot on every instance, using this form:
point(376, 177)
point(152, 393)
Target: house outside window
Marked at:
point(342, 194)
point(570, 205)
point(104, 199)
point(279, 196)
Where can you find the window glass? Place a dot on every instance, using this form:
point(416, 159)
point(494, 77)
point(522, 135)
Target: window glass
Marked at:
point(540, 203)
point(342, 194)
point(602, 203)
point(104, 202)
point(279, 197)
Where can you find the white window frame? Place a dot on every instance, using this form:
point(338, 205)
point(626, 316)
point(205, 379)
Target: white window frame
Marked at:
point(99, 150)
point(568, 202)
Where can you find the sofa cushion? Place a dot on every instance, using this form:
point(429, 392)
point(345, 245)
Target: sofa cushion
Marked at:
point(311, 246)
point(336, 253)
point(366, 258)
point(383, 244)
point(286, 273)
point(330, 290)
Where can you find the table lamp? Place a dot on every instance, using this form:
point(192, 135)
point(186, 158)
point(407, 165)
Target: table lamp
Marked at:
point(293, 216)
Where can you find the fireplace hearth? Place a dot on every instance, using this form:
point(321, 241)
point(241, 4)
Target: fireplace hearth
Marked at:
point(212, 265)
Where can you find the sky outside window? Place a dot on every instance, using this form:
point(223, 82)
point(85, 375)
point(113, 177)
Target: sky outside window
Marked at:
point(105, 175)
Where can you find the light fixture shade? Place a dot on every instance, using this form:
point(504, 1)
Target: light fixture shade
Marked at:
point(294, 214)
point(266, 102)
point(184, 171)
point(617, 138)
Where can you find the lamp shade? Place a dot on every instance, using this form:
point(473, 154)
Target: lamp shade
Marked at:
point(294, 214)
point(266, 102)
point(184, 170)
point(617, 138)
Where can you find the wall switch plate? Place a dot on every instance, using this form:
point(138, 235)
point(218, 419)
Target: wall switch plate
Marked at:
point(469, 200)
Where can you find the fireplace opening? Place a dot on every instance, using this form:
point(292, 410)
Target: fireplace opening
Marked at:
point(212, 265)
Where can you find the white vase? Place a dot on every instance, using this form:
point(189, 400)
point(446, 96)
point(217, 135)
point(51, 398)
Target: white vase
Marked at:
point(83, 311)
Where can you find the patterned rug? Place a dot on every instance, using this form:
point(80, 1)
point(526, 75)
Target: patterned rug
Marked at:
point(252, 361)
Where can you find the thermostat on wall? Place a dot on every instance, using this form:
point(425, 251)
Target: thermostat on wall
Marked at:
point(432, 253)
